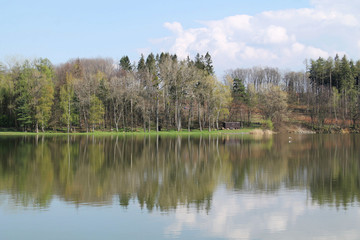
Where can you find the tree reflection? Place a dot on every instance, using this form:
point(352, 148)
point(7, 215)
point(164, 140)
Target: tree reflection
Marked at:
point(164, 172)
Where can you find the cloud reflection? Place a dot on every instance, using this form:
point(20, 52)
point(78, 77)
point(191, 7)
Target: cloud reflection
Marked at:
point(265, 216)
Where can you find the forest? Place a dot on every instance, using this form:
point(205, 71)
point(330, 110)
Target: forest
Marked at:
point(161, 92)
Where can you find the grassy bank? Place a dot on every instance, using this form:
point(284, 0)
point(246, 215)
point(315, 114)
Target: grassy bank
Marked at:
point(138, 132)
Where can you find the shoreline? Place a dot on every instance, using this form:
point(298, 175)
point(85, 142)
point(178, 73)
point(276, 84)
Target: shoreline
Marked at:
point(244, 131)
point(138, 133)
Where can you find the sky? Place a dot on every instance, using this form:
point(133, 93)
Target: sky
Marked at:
point(236, 33)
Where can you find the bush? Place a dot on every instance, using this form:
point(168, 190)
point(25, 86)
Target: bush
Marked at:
point(268, 124)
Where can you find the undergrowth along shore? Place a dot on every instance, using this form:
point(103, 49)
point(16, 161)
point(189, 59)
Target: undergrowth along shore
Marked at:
point(185, 132)
point(165, 133)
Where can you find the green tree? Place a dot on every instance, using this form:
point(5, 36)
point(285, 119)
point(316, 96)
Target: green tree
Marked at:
point(154, 82)
point(6, 98)
point(252, 100)
point(145, 92)
point(273, 104)
point(23, 98)
point(347, 83)
point(141, 64)
point(239, 90)
point(200, 62)
point(151, 63)
point(222, 96)
point(97, 111)
point(67, 101)
point(45, 94)
point(209, 68)
point(125, 63)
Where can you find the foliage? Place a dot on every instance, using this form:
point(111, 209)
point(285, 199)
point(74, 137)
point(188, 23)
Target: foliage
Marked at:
point(67, 102)
point(164, 92)
point(268, 124)
point(125, 63)
point(96, 111)
point(336, 79)
point(273, 104)
point(45, 93)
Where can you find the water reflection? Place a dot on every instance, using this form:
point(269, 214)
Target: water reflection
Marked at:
point(266, 216)
point(173, 173)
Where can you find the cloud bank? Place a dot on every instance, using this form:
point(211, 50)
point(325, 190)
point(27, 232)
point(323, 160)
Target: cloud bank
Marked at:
point(281, 39)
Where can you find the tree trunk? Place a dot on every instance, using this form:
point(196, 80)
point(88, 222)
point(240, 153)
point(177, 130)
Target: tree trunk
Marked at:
point(167, 114)
point(189, 122)
point(249, 117)
point(144, 116)
point(199, 117)
point(176, 112)
point(37, 127)
point(85, 120)
point(80, 124)
point(116, 119)
point(178, 124)
point(69, 116)
point(132, 115)
point(124, 126)
point(330, 88)
point(144, 122)
point(335, 112)
point(157, 114)
point(209, 118)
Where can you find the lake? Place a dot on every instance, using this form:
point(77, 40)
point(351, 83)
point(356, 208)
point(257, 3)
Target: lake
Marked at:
point(157, 187)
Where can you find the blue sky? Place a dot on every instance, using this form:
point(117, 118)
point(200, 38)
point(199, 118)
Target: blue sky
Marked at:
point(236, 33)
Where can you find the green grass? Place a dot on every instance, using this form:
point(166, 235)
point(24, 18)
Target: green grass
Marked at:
point(137, 132)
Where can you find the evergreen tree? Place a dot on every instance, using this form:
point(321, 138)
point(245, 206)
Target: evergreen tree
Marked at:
point(347, 79)
point(23, 99)
point(125, 63)
point(45, 94)
point(208, 64)
point(151, 63)
point(337, 72)
point(200, 62)
point(141, 64)
point(239, 90)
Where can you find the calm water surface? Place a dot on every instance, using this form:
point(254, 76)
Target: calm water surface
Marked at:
point(227, 187)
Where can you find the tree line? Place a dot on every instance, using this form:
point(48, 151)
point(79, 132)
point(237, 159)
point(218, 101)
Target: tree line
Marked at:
point(328, 92)
point(163, 92)
point(335, 90)
point(158, 92)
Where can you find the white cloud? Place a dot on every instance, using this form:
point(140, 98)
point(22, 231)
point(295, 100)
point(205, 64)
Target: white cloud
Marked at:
point(274, 38)
point(297, 47)
point(313, 52)
point(232, 23)
point(175, 27)
point(276, 34)
point(251, 53)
